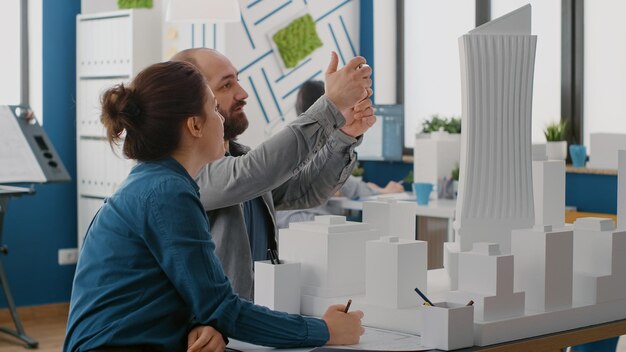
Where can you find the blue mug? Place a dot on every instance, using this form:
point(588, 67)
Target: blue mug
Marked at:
point(578, 153)
point(422, 192)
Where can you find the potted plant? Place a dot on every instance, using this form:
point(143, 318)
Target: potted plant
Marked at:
point(435, 124)
point(556, 146)
point(134, 4)
point(408, 179)
point(358, 171)
point(455, 181)
point(440, 127)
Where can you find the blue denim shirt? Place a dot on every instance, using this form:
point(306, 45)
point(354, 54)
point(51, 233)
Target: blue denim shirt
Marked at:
point(148, 271)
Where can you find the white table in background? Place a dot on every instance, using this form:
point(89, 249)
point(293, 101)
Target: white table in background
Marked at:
point(439, 208)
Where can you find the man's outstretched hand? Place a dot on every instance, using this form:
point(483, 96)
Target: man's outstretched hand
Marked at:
point(359, 118)
point(349, 85)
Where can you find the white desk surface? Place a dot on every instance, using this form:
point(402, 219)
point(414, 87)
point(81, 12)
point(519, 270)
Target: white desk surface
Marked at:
point(373, 340)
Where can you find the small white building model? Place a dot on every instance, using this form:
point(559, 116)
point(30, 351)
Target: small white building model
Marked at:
point(486, 277)
point(543, 267)
point(604, 150)
point(277, 287)
point(377, 214)
point(395, 267)
point(391, 217)
point(402, 219)
point(331, 253)
point(435, 155)
point(599, 262)
point(549, 192)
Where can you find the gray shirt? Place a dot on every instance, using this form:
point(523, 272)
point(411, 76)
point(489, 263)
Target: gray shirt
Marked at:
point(353, 189)
point(300, 167)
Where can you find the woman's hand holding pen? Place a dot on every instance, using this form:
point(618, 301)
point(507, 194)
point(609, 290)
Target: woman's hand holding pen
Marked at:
point(344, 328)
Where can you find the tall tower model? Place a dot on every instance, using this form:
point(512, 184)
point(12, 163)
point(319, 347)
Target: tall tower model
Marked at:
point(495, 188)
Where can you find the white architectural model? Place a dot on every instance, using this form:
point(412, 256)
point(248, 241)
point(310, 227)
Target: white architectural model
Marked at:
point(599, 286)
point(486, 277)
point(277, 287)
point(391, 217)
point(377, 214)
point(599, 262)
point(495, 186)
point(548, 190)
point(435, 155)
point(447, 326)
point(394, 268)
point(604, 150)
point(621, 190)
point(331, 252)
point(543, 266)
point(555, 279)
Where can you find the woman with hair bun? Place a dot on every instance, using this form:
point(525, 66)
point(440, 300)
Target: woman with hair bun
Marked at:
point(148, 278)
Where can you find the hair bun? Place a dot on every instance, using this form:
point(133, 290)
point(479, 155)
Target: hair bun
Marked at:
point(120, 110)
point(132, 109)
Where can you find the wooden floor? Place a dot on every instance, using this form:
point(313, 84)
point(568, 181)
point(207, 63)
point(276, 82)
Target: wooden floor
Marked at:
point(46, 324)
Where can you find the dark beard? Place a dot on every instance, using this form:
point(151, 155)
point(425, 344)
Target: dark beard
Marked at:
point(234, 123)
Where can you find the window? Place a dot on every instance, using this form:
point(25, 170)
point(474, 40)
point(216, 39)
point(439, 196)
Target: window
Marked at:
point(432, 76)
point(604, 68)
point(546, 25)
point(432, 82)
point(10, 60)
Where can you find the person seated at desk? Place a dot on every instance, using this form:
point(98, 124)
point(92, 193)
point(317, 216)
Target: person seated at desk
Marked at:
point(353, 188)
point(148, 278)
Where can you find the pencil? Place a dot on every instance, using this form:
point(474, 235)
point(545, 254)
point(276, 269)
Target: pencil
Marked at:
point(424, 297)
point(348, 306)
point(275, 252)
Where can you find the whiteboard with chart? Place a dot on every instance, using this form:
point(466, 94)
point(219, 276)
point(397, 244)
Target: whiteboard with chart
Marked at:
point(26, 153)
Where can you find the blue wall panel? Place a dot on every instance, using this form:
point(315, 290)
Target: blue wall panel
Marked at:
point(591, 193)
point(381, 172)
point(366, 32)
point(37, 226)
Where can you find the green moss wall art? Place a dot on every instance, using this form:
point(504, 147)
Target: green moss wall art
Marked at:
point(134, 4)
point(297, 41)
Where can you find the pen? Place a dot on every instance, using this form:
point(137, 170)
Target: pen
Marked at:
point(424, 297)
point(470, 303)
point(348, 306)
point(271, 255)
point(275, 252)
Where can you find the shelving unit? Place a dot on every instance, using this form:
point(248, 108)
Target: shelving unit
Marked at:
point(111, 48)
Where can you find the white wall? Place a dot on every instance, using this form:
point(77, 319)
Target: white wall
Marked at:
point(10, 60)
point(605, 67)
point(35, 48)
point(546, 25)
point(432, 78)
point(385, 46)
point(337, 23)
point(271, 89)
point(10, 57)
point(432, 81)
